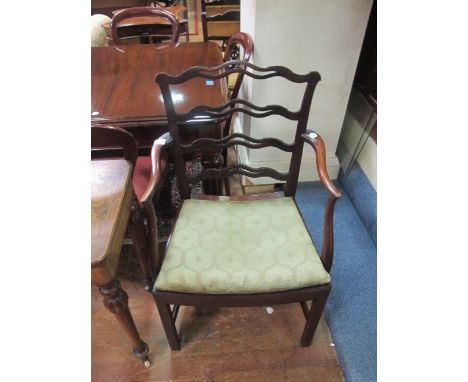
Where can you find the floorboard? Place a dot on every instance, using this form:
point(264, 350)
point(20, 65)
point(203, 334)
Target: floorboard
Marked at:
point(223, 344)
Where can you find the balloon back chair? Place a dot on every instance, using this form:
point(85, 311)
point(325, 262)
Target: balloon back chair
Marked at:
point(153, 23)
point(220, 19)
point(250, 250)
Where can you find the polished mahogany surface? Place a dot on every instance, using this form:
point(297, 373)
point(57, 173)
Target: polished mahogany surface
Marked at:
point(123, 87)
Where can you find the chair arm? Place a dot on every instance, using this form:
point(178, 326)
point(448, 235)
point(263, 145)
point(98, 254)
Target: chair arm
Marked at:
point(316, 141)
point(312, 138)
point(158, 166)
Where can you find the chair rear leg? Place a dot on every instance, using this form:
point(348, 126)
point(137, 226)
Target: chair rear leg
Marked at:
point(305, 308)
point(313, 318)
point(139, 238)
point(168, 322)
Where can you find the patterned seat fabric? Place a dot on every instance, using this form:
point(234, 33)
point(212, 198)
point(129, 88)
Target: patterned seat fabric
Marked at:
point(226, 247)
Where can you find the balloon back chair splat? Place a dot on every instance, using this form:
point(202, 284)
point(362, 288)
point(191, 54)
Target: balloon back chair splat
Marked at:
point(156, 17)
point(251, 250)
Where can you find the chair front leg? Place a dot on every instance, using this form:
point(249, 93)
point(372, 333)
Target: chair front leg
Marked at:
point(313, 318)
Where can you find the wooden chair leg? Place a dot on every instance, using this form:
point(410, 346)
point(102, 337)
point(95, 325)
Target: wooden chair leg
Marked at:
point(137, 231)
point(305, 308)
point(168, 322)
point(154, 259)
point(313, 318)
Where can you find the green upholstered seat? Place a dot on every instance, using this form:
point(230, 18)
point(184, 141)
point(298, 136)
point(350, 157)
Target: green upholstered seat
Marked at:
point(227, 247)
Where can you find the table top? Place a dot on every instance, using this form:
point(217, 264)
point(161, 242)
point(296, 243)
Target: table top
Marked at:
point(111, 199)
point(123, 87)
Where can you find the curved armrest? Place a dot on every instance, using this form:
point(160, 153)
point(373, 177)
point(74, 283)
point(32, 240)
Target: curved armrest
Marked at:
point(158, 166)
point(316, 142)
point(312, 138)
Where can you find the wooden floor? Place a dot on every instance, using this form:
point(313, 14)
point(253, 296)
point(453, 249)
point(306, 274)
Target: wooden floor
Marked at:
point(226, 344)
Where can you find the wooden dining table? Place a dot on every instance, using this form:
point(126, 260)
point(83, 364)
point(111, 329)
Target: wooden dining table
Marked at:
point(112, 196)
point(124, 92)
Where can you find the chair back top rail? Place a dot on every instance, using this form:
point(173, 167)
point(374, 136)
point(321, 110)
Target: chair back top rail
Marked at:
point(115, 137)
point(221, 114)
point(229, 15)
point(222, 2)
point(242, 39)
point(146, 12)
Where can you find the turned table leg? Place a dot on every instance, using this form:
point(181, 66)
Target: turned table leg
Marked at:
point(116, 302)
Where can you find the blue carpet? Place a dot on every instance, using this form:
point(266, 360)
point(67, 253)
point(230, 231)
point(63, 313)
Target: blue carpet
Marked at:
point(351, 308)
point(364, 198)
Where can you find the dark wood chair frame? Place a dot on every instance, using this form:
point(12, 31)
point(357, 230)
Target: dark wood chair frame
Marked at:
point(142, 227)
point(230, 15)
point(317, 294)
point(127, 13)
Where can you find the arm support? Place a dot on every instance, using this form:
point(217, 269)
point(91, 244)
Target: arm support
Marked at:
point(158, 169)
point(158, 166)
point(316, 142)
point(312, 138)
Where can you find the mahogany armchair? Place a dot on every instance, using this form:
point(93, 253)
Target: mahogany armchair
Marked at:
point(146, 174)
point(251, 250)
point(156, 24)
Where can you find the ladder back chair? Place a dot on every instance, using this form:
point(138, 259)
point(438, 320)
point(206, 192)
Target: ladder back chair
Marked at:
point(250, 250)
point(176, 8)
point(156, 24)
point(146, 173)
point(220, 19)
